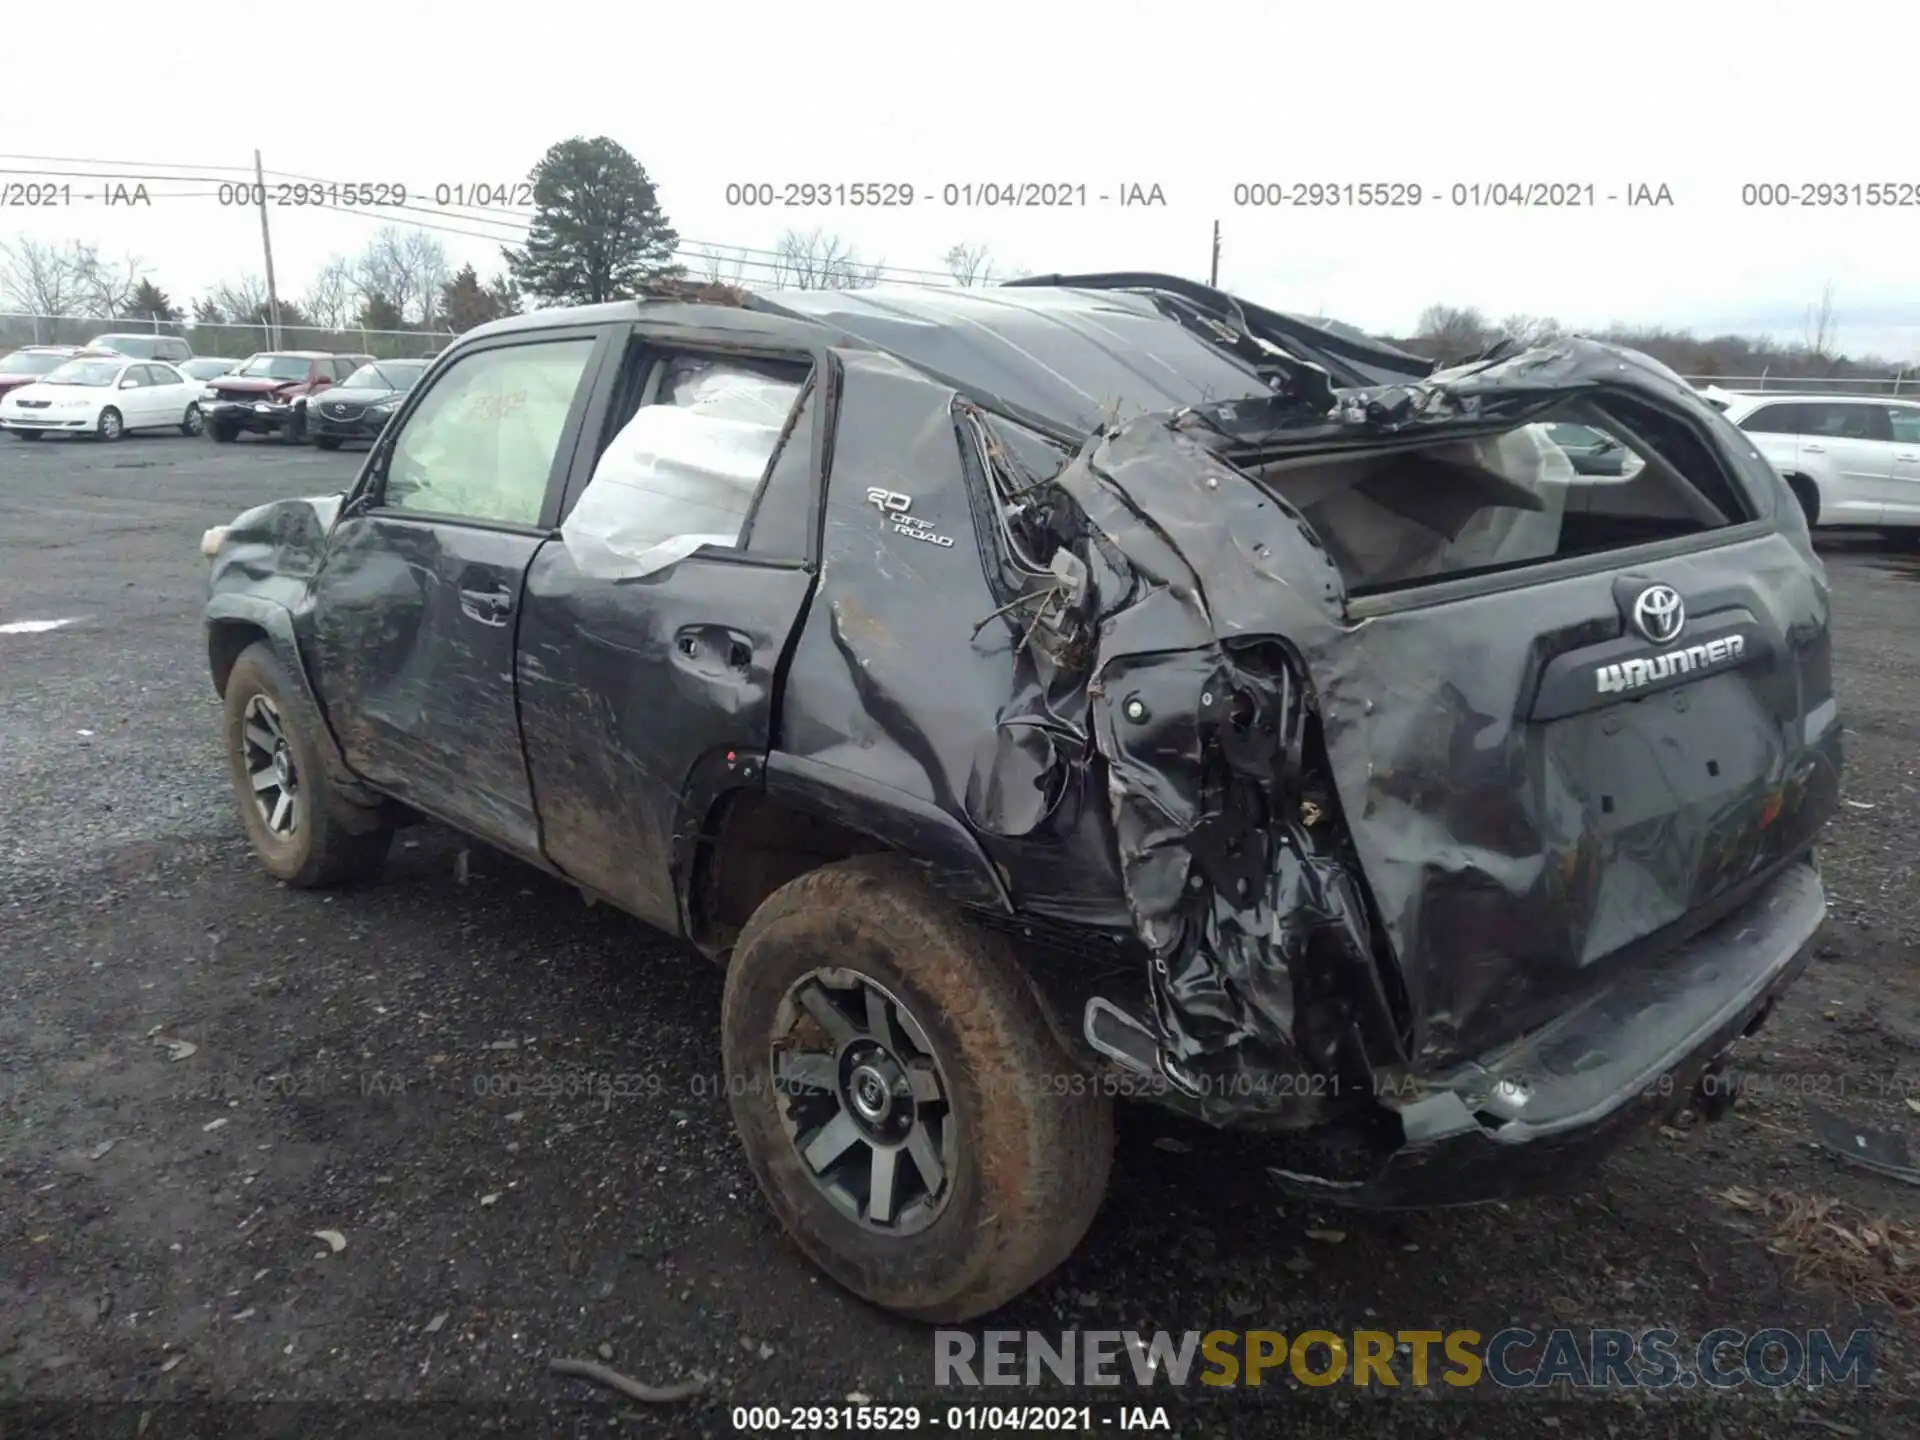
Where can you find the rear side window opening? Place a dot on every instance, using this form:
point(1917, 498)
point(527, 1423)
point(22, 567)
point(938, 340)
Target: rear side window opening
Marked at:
point(1576, 481)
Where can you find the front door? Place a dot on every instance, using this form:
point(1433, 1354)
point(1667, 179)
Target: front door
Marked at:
point(417, 603)
point(649, 665)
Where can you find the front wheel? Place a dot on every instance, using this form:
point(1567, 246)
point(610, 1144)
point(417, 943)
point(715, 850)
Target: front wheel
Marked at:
point(111, 426)
point(900, 1097)
point(326, 442)
point(222, 433)
point(1905, 538)
point(26, 434)
point(190, 423)
point(304, 832)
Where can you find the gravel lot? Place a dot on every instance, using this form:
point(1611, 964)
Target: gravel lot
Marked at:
point(506, 1103)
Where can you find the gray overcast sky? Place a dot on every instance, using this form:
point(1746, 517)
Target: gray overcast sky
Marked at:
point(1193, 97)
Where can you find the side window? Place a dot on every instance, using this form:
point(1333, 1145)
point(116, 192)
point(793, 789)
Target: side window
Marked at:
point(778, 524)
point(137, 374)
point(481, 443)
point(1776, 420)
point(1905, 424)
point(1850, 422)
point(687, 467)
point(154, 375)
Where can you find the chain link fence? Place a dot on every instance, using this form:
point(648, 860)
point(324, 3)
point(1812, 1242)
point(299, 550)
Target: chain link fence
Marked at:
point(231, 341)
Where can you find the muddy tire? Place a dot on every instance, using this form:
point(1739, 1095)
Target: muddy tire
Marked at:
point(970, 1084)
point(303, 830)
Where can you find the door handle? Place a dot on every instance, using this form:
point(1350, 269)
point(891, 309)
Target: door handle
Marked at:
point(1907, 457)
point(1814, 449)
point(489, 607)
point(713, 649)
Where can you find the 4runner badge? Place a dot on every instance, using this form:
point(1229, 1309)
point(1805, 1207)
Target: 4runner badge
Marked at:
point(1632, 674)
point(894, 505)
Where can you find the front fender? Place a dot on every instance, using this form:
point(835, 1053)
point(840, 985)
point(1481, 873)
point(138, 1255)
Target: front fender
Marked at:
point(234, 620)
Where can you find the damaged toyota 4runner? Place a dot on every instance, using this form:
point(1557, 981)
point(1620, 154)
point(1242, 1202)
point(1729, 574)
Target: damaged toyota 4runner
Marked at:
point(1088, 686)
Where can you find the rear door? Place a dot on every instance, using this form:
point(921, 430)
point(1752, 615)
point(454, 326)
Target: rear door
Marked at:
point(417, 603)
point(1858, 440)
point(1902, 503)
point(649, 663)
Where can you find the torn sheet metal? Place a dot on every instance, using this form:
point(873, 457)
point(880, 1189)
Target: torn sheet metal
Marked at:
point(1467, 871)
point(681, 474)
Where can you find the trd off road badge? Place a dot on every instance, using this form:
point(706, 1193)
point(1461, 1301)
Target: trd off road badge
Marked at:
point(894, 506)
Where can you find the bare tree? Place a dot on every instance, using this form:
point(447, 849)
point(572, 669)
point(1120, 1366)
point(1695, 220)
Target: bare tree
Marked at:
point(236, 299)
point(969, 264)
point(718, 267)
point(332, 297)
point(38, 278)
point(1452, 332)
point(1531, 329)
point(819, 261)
point(405, 266)
point(106, 287)
point(1821, 329)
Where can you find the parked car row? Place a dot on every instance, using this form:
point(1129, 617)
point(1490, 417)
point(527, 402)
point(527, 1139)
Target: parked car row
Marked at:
point(1850, 460)
point(108, 393)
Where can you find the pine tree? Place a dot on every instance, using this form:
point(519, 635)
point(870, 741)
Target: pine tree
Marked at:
point(598, 230)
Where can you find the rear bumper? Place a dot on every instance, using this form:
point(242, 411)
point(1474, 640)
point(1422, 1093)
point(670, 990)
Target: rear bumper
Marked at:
point(1547, 1107)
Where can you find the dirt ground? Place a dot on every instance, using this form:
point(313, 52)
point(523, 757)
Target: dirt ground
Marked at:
point(505, 1106)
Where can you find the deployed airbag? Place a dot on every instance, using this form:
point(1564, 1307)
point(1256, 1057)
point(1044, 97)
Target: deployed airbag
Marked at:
point(682, 473)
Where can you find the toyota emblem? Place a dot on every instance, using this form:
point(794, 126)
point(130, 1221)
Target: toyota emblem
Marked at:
point(1659, 613)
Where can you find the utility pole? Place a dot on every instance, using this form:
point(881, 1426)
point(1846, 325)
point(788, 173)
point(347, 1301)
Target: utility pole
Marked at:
point(1213, 278)
point(266, 244)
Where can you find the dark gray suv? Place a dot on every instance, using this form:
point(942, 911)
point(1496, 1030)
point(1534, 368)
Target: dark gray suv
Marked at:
point(1088, 688)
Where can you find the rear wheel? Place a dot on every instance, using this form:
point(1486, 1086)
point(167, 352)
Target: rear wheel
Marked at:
point(304, 832)
point(190, 423)
point(1907, 537)
point(900, 1097)
point(26, 434)
point(110, 426)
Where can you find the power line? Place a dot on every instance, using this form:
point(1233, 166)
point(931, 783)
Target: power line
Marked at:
point(518, 224)
point(129, 164)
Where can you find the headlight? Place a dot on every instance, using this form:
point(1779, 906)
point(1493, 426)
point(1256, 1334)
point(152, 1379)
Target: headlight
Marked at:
point(209, 393)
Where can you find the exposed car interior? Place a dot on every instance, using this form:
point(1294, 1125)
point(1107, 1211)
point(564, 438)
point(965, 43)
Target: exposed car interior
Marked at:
point(1398, 517)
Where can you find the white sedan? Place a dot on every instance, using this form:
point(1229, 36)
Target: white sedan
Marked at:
point(105, 396)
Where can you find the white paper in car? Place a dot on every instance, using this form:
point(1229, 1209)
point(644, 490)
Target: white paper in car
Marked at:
point(678, 476)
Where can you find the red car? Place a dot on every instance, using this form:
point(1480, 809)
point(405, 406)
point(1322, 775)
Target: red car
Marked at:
point(34, 362)
point(267, 393)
